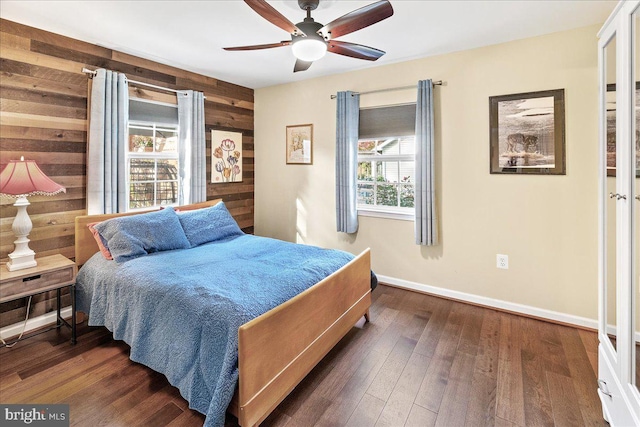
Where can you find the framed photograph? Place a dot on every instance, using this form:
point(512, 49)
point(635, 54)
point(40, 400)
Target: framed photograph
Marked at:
point(226, 156)
point(527, 133)
point(299, 144)
point(611, 130)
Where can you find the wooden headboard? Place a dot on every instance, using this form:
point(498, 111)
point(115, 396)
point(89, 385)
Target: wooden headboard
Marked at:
point(85, 244)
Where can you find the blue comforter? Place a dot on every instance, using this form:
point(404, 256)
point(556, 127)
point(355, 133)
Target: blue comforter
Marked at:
point(180, 310)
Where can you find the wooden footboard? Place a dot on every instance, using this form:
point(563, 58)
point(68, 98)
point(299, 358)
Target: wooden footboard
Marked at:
point(278, 349)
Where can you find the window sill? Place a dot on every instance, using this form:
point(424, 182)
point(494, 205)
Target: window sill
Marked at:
point(402, 216)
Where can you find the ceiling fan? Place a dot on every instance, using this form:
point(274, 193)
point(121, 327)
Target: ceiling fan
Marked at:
point(310, 40)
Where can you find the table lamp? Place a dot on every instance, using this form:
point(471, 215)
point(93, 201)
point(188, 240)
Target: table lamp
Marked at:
point(19, 179)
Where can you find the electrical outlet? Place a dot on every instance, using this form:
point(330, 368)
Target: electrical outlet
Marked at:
point(502, 261)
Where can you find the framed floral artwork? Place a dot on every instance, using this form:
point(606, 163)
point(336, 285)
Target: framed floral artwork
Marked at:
point(299, 144)
point(226, 156)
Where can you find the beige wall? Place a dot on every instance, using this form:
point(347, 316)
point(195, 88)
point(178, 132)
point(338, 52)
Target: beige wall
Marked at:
point(547, 225)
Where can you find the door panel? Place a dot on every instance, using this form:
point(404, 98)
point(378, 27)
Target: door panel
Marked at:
point(610, 202)
point(635, 174)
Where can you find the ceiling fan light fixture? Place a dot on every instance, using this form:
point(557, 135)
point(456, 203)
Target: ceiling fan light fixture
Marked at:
point(310, 39)
point(309, 49)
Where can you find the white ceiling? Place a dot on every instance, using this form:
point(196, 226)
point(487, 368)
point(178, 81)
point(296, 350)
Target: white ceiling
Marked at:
point(191, 34)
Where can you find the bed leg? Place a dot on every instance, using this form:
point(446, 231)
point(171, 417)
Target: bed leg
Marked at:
point(367, 317)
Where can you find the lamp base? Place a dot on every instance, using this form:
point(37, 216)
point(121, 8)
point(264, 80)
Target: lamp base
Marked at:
point(20, 261)
point(22, 256)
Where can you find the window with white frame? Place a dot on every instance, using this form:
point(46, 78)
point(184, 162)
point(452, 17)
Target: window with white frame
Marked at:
point(386, 161)
point(152, 155)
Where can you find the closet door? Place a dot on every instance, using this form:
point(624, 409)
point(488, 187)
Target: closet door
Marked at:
point(609, 137)
point(619, 317)
point(635, 207)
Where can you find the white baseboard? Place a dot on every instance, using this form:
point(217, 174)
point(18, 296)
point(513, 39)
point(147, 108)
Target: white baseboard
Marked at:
point(12, 331)
point(50, 318)
point(527, 310)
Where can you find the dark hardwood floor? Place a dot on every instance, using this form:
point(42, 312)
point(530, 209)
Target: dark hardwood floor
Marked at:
point(422, 361)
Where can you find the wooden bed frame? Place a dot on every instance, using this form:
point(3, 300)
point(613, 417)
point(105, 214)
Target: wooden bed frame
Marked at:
point(279, 348)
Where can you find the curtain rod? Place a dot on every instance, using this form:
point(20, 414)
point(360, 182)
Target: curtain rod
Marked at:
point(93, 73)
point(436, 83)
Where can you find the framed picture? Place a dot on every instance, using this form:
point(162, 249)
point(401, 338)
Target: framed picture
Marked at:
point(226, 156)
point(611, 130)
point(527, 133)
point(299, 145)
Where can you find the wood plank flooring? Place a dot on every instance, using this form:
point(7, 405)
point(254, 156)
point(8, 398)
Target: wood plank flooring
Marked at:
point(422, 361)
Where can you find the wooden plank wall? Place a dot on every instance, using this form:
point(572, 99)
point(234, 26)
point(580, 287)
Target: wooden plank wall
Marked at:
point(43, 116)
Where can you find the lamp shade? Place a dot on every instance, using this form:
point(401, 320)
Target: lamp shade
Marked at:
point(309, 49)
point(24, 178)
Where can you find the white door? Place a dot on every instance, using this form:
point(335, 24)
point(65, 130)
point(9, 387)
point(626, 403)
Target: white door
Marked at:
point(618, 386)
point(634, 386)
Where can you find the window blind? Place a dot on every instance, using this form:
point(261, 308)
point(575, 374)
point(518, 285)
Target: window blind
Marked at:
point(396, 120)
point(145, 111)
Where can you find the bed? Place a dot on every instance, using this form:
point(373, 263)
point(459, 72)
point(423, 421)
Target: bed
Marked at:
point(276, 347)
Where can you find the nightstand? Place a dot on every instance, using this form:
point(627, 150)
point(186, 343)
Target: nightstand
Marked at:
point(52, 273)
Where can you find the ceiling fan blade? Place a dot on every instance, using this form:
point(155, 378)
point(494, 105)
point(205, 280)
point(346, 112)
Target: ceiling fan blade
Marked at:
point(354, 50)
point(301, 65)
point(259, 46)
point(358, 19)
point(267, 11)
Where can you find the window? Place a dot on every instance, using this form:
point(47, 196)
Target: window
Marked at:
point(386, 162)
point(152, 155)
point(386, 174)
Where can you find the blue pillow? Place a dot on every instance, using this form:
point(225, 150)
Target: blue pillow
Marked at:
point(208, 224)
point(129, 237)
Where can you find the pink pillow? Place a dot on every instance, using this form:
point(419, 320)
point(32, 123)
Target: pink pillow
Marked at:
point(103, 249)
